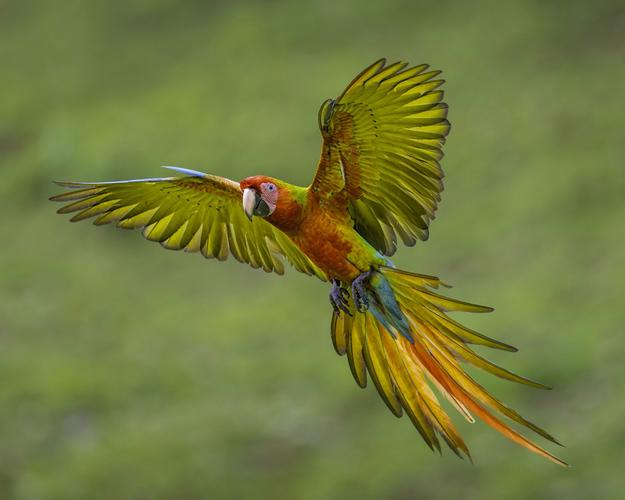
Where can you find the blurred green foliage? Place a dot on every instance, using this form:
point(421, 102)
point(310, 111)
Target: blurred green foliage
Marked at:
point(129, 372)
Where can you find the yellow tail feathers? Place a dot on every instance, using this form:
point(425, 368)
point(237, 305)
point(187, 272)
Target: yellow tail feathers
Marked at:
point(405, 372)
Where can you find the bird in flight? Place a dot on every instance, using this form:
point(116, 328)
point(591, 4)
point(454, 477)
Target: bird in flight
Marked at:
point(378, 182)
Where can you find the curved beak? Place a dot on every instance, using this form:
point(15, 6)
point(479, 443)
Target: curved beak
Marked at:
point(251, 199)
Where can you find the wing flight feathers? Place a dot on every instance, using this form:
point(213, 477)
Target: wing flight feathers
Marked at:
point(382, 143)
point(195, 213)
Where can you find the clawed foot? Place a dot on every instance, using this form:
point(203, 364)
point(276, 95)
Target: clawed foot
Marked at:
point(339, 298)
point(359, 292)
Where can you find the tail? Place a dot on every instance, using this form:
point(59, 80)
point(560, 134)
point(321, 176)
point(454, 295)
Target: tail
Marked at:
point(408, 345)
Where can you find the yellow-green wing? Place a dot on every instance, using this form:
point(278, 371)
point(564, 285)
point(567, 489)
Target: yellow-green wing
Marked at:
point(382, 142)
point(196, 213)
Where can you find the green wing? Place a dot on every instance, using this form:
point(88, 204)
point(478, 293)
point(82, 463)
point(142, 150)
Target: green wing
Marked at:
point(196, 213)
point(382, 142)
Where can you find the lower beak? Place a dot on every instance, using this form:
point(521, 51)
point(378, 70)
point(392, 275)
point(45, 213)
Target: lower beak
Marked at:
point(250, 202)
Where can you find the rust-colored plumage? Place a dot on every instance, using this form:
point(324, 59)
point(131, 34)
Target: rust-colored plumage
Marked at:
point(378, 180)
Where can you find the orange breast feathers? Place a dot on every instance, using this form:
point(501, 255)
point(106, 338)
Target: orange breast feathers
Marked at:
point(323, 232)
point(327, 243)
point(326, 235)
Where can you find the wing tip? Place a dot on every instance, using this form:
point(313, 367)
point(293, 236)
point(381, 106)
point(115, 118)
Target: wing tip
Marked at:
point(73, 184)
point(187, 171)
point(507, 347)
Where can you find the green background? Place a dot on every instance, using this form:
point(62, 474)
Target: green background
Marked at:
point(130, 372)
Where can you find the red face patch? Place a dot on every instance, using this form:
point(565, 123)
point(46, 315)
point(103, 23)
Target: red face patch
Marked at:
point(269, 193)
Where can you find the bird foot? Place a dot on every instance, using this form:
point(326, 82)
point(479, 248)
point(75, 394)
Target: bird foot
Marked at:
point(359, 292)
point(339, 298)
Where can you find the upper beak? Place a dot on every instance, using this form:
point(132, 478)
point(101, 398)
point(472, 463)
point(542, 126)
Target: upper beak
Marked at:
point(250, 202)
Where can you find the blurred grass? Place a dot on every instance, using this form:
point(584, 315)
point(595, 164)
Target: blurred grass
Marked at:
point(131, 372)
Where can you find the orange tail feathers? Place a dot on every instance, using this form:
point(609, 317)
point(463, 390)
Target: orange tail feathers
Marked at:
point(405, 372)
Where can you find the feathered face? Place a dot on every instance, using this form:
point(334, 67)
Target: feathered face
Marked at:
point(260, 196)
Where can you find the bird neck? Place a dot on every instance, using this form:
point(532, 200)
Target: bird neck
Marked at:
point(289, 210)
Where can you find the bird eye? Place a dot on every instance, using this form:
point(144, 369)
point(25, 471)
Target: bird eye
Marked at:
point(271, 187)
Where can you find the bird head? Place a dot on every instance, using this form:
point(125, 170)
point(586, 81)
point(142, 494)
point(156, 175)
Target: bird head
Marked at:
point(260, 195)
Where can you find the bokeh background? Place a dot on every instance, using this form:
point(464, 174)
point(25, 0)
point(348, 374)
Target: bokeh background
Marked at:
point(130, 372)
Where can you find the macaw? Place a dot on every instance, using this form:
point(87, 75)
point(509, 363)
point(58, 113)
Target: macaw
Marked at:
point(378, 181)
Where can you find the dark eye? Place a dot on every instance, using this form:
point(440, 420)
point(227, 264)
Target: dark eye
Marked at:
point(271, 187)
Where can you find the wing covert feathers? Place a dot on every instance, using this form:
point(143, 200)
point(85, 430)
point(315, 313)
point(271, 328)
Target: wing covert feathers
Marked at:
point(405, 373)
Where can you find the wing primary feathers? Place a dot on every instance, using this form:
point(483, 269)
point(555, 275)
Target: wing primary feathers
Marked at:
point(195, 213)
point(389, 124)
point(74, 185)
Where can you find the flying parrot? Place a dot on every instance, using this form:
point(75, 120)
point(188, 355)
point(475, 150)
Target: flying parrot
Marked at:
point(378, 181)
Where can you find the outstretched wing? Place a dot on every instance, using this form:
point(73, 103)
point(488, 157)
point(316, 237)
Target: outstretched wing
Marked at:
point(382, 142)
point(195, 213)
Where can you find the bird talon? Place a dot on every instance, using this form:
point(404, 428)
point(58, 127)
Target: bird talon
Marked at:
point(362, 304)
point(359, 292)
point(339, 298)
point(345, 308)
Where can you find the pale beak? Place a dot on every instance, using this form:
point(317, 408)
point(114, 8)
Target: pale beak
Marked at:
point(250, 202)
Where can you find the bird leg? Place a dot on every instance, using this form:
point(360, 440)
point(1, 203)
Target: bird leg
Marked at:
point(339, 298)
point(359, 291)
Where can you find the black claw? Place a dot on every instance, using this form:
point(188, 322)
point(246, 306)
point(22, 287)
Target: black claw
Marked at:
point(359, 292)
point(363, 304)
point(339, 298)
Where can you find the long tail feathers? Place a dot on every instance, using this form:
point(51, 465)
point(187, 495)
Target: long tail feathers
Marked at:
point(405, 367)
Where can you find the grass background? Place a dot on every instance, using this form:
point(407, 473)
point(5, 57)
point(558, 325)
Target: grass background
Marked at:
point(128, 372)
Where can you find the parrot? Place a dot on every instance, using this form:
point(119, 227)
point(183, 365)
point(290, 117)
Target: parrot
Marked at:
point(378, 182)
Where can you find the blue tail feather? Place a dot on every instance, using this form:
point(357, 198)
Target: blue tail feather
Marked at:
point(384, 306)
